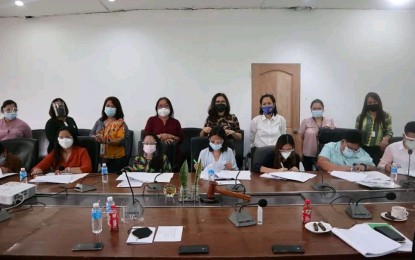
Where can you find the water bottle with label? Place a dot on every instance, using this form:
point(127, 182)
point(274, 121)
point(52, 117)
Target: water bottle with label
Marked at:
point(211, 174)
point(104, 171)
point(23, 175)
point(96, 216)
point(394, 173)
point(110, 201)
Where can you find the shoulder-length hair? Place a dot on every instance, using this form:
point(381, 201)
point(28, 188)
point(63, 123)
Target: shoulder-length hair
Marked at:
point(283, 140)
point(157, 162)
point(57, 149)
point(380, 114)
point(118, 114)
point(273, 102)
point(216, 130)
point(168, 102)
point(212, 112)
point(52, 112)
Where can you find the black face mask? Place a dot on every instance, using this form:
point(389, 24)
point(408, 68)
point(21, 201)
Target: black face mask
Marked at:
point(373, 107)
point(220, 107)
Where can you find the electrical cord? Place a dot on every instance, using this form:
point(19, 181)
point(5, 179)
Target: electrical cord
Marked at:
point(351, 199)
point(30, 206)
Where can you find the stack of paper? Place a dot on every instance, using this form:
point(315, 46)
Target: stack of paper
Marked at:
point(295, 176)
point(227, 174)
point(367, 241)
point(146, 177)
point(52, 178)
point(373, 179)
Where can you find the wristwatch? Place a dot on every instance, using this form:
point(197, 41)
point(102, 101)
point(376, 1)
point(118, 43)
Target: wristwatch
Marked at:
point(108, 141)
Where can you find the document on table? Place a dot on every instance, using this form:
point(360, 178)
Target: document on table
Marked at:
point(134, 183)
point(135, 240)
point(243, 175)
point(146, 177)
point(270, 176)
point(359, 176)
point(220, 183)
point(367, 241)
point(406, 246)
point(169, 234)
point(294, 176)
point(61, 178)
point(4, 175)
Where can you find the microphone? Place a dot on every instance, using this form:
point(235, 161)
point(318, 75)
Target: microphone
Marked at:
point(241, 218)
point(322, 185)
point(134, 210)
point(359, 211)
point(236, 186)
point(155, 186)
point(83, 187)
point(210, 196)
point(407, 183)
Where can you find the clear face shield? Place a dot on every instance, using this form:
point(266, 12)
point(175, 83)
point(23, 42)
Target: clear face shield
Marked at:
point(59, 109)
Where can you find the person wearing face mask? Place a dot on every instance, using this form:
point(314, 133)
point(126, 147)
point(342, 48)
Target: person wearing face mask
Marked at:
point(375, 125)
point(345, 155)
point(283, 159)
point(8, 161)
point(309, 129)
point(151, 157)
point(110, 131)
point(268, 126)
point(66, 157)
point(220, 116)
point(11, 126)
point(218, 154)
point(58, 112)
point(398, 152)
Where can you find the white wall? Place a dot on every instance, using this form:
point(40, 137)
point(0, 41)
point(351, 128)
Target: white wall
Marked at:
point(188, 56)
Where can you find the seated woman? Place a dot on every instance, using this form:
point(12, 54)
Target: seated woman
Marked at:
point(66, 156)
point(285, 158)
point(151, 158)
point(11, 126)
point(218, 154)
point(9, 162)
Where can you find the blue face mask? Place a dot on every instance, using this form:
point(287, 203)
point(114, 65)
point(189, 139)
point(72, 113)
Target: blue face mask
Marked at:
point(215, 146)
point(267, 110)
point(317, 113)
point(110, 111)
point(10, 116)
point(348, 153)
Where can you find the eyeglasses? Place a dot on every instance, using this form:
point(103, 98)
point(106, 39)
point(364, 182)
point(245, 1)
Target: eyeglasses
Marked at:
point(9, 110)
point(163, 106)
point(216, 141)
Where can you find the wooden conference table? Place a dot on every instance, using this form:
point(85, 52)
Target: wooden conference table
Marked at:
point(50, 232)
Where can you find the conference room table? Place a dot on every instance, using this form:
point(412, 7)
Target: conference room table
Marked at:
point(49, 232)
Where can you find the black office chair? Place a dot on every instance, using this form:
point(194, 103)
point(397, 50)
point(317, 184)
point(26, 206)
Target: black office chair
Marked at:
point(26, 149)
point(197, 144)
point(40, 135)
point(238, 146)
point(83, 132)
point(93, 148)
point(326, 135)
point(185, 147)
point(168, 149)
point(263, 156)
point(128, 144)
point(395, 139)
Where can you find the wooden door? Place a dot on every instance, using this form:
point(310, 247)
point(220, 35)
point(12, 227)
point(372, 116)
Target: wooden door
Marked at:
point(283, 81)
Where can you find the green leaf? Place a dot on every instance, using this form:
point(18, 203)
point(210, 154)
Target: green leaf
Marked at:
point(184, 171)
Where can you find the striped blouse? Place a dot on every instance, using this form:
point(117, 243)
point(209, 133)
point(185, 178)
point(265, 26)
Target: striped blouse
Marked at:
point(379, 130)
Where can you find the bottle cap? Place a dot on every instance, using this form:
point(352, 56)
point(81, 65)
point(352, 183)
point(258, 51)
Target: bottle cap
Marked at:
point(109, 198)
point(95, 205)
point(307, 201)
point(22, 169)
point(104, 165)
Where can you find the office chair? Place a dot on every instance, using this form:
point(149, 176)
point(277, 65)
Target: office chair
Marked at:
point(326, 135)
point(263, 156)
point(26, 149)
point(40, 135)
point(93, 148)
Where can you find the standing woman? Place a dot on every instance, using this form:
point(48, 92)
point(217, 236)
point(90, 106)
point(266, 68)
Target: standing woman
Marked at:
point(59, 118)
point(375, 125)
point(11, 126)
point(219, 115)
point(268, 125)
point(309, 129)
point(110, 131)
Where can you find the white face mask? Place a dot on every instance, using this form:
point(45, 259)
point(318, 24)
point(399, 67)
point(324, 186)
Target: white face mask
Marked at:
point(410, 144)
point(163, 112)
point(65, 142)
point(149, 148)
point(286, 154)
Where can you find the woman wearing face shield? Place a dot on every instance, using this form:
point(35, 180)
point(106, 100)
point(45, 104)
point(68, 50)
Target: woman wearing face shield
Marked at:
point(110, 131)
point(218, 155)
point(11, 126)
point(151, 157)
point(284, 157)
point(66, 157)
point(220, 116)
point(375, 125)
point(59, 118)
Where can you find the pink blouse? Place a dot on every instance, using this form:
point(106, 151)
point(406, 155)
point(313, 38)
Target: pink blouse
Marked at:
point(310, 130)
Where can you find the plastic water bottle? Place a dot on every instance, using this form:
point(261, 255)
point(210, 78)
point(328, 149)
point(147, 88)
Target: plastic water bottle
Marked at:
point(307, 211)
point(23, 175)
point(113, 218)
point(96, 216)
point(394, 173)
point(104, 171)
point(211, 174)
point(109, 203)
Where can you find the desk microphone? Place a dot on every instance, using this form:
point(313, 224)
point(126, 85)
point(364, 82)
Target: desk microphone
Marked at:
point(134, 210)
point(155, 186)
point(407, 183)
point(83, 187)
point(321, 186)
point(236, 186)
point(241, 218)
point(210, 196)
point(355, 210)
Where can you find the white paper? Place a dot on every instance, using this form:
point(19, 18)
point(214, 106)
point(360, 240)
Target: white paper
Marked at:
point(134, 183)
point(367, 241)
point(169, 234)
point(269, 176)
point(295, 176)
point(52, 178)
point(227, 182)
point(359, 176)
point(135, 240)
point(3, 175)
point(146, 177)
point(243, 175)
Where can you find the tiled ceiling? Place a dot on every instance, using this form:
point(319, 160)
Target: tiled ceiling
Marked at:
point(38, 8)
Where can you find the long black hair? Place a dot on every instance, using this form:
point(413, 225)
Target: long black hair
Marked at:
point(216, 130)
point(278, 159)
point(57, 149)
point(380, 114)
point(213, 113)
point(156, 162)
point(52, 112)
point(118, 113)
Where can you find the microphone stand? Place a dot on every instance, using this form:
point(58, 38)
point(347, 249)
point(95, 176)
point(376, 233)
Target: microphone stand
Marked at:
point(155, 186)
point(360, 212)
point(236, 186)
point(242, 218)
point(321, 186)
point(406, 184)
point(134, 210)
